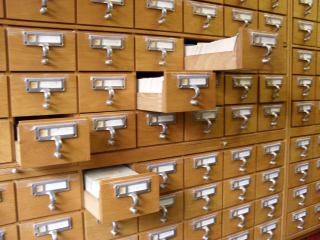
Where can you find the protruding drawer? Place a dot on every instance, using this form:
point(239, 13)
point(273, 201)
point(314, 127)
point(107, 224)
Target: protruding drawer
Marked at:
point(4, 101)
point(303, 88)
point(303, 113)
point(299, 221)
point(303, 62)
point(274, 6)
point(7, 203)
point(174, 232)
point(267, 230)
point(272, 116)
point(272, 88)
point(6, 140)
point(253, 4)
point(300, 173)
point(270, 155)
point(269, 182)
point(299, 197)
point(305, 32)
point(301, 148)
point(306, 9)
point(268, 208)
point(9, 232)
point(273, 23)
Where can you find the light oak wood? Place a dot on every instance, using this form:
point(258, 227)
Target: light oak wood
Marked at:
point(282, 8)
point(8, 204)
point(264, 26)
point(317, 82)
point(316, 146)
point(293, 201)
point(315, 169)
point(299, 11)
point(292, 225)
point(296, 178)
point(178, 231)
point(315, 193)
point(10, 231)
point(266, 93)
point(6, 141)
point(253, 4)
point(300, 35)
point(3, 49)
point(297, 116)
point(264, 120)
point(298, 65)
point(220, 88)
point(261, 213)
point(262, 187)
point(277, 232)
point(4, 101)
point(263, 159)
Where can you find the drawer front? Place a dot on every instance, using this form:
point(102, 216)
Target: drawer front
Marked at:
point(112, 131)
point(133, 237)
point(171, 212)
point(305, 32)
point(220, 88)
point(4, 103)
point(235, 18)
point(299, 221)
point(317, 88)
point(241, 89)
point(95, 12)
point(248, 234)
point(105, 52)
point(202, 168)
point(269, 182)
point(107, 92)
point(151, 133)
point(158, 54)
point(315, 192)
point(49, 195)
point(174, 232)
point(272, 116)
point(9, 232)
point(270, 155)
point(170, 172)
point(57, 141)
point(267, 209)
point(272, 88)
point(238, 190)
point(303, 113)
point(159, 15)
point(211, 227)
point(240, 161)
point(7, 203)
point(67, 226)
point(3, 58)
point(1, 9)
point(299, 197)
point(204, 124)
point(303, 62)
point(107, 231)
point(202, 200)
point(245, 4)
point(43, 94)
point(6, 148)
point(57, 11)
point(301, 148)
point(315, 169)
point(300, 173)
point(317, 65)
point(269, 229)
point(303, 88)
point(273, 23)
point(316, 146)
point(203, 18)
point(45, 50)
point(305, 10)
point(315, 209)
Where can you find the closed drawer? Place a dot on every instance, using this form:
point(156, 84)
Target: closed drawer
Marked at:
point(43, 94)
point(158, 53)
point(303, 62)
point(47, 11)
point(43, 49)
point(238, 190)
point(305, 32)
point(241, 89)
point(57, 141)
point(273, 23)
point(49, 195)
point(159, 128)
point(112, 131)
point(316, 146)
point(202, 168)
point(299, 221)
point(107, 92)
point(105, 52)
point(315, 169)
point(171, 211)
point(202, 200)
point(301, 148)
point(177, 92)
point(170, 172)
point(303, 113)
point(114, 13)
point(240, 119)
point(6, 148)
point(203, 18)
point(272, 116)
point(4, 103)
point(106, 231)
point(317, 83)
point(131, 194)
point(9, 232)
point(269, 182)
point(245, 4)
point(204, 124)
point(315, 192)
point(3, 58)
point(235, 18)
point(267, 209)
point(274, 6)
point(317, 112)
point(270, 155)
point(248, 234)
point(7, 203)
point(269, 229)
point(174, 232)
point(206, 226)
point(303, 88)
point(272, 88)
point(300, 173)
point(299, 197)
point(315, 220)
point(238, 218)
point(220, 88)
point(159, 15)
point(67, 226)
point(305, 9)
point(1, 9)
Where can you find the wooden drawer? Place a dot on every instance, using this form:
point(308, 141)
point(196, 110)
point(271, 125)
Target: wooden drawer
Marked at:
point(303, 114)
point(299, 221)
point(317, 64)
point(316, 146)
point(4, 101)
point(133, 237)
point(241, 89)
point(174, 232)
point(107, 92)
point(203, 168)
point(272, 88)
point(43, 94)
point(203, 18)
point(105, 231)
point(303, 88)
point(206, 226)
point(305, 9)
point(267, 209)
point(3, 57)
point(159, 128)
point(277, 6)
point(305, 32)
point(317, 112)
point(315, 169)
point(317, 83)
point(49, 195)
point(238, 218)
point(177, 92)
point(248, 234)
point(9, 232)
point(47, 11)
point(43, 49)
point(303, 62)
point(270, 155)
point(273, 23)
point(202, 200)
point(205, 124)
point(114, 14)
point(170, 172)
point(57, 141)
point(269, 182)
point(7, 203)
point(272, 116)
point(301, 148)
point(315, 219)
point(238, 190)
point(6, 148)
point(220, 88)
point(159, 15)
point(235, 18)
point(158, 53)
point(315, 192)
point(68, 226)
point(253, 4)
point(299, 197)
point(105, 51)
point(112, 131)
point(171, 212)
point(240, 119)
point(1, 8)
point(238, 162)
point(270, 229)
point(300, 173)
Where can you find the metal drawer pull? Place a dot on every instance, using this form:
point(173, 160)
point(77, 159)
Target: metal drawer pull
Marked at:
point(241, 185)
point(268, 230)
point(270, 203)
point(165, 234)
point(302, 200)
point(244, 114)
point(308, 6)
point(204, 224)
point(240, 213)
point(114, 229)
point(166, 202)
point(306, 110)
point(242, 156)
point(301, 194)
point(164, 214)
point(163, 169)
point(273, 150)
point(271, 177)
point(242, 16)
point(304, 145)
point(207, 10)
point(274, 111)
point(305, 56)
point(205, 193)
point(274, 20)
point(162, 120)
point(307, 27)
point(206, 162)
point(275, 4)
point(110, 5)
point(135, 203)
point(44, 7)
point(2, 235)
point(275, 83)
point(243, 82)
point(52, 228)
point(299, 217)
point(164, 6)
point(306, 83)
point(208, 116)
point(303, 170)
point(163, 45)
point(266, 40)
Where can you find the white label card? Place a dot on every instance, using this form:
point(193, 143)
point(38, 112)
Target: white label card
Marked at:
point(137, 187)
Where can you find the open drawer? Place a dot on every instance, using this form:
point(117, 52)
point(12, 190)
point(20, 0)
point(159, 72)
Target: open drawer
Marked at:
point(118, 193)
point(177, 92)
point(248, 50)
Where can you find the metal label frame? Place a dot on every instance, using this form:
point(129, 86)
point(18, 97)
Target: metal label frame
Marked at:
point(245, 210)
point(165, 234)
point(269, 18)
point(27, 42)
point(38, 228)
point(198, 9)
point(126, 185)
point(237, 112)
point(168, 200)
point(114, 2)
point(237, 154)
point(200, 115)
point(270, 109)
point(241, 236)
point(153, 119)
point(273, 174)
point(49, 128)
point(201, 160)
point(269, 227)
point(305, 55)
point(236, 15)
point(241, 182)
point(104, 86)
point(101, 38)
point(29, 80)
point(184, 80)
point(271, 148)
point(152, 4)
point(266, 201)
point(210, 190)
point(97, 120)
point(153, 167)
point(257, 39)
point(43, 184)
point(204, 222)
point(152, 44)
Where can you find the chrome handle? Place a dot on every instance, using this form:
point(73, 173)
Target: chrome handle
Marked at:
point(206, 175)
point(162, 18)
point(308, 8)
point(165, 179)
point(109, 53)
point(54, 234)
point(275, 3)
point(44, 7)
point(304, 176)
point(276, 91)
point(135, 202)
point(246, 23)
point(242, 195)
point(300, 225)
point(306, 90)
point(47, 97)
point(307, 35)
point(207, 22)
point(207, 199)
point(245, 92)
point(164, 131)
point(58, 143)
point(306, 115)
point(108, 14)
point(307, 64)
point(266, 57)
point(164, 54)
point(53, 200)
point(164, 214)
point(206, 233)
point(242, 1)
point(272, 188)
point(304, 152)
point(112, 137)
point(45, 54)
point(109, 101)
point(272, 211)
point(242, 222)
point(274, 158)
point(194, 101)
point(243, 166)
point(208, 130)
point(114, 230)
point(269, 235)
point(244, 124)
point(274, 120)
point(302, 200)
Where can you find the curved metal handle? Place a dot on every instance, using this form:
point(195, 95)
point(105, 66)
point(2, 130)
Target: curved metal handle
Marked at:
point(269, 235)
point(54, 234)
point(115, 229)
point(207, 22)
point(208, 129)
point(272, 188)
point(53, 200)
point(307, 64)
point(109, 53)
point(164, 214)
point(308, 8)
point(274, 158)
point(300, 225)
point(243, 166)
point(302, 200)
point(45, 54)
point(304, 176)
point(272, 211)
point(276, 91)
point(44, 7)
point(165, 180)
point(274, 120)
point(164, 54)
point(47, 97)
point(164, 132)
point(206, 233)
point(194, 101)
point(304, 152)
point(207, 199)
point(243, 192)
point(278, 27)
point(307, 35)
point(206, 175)
point(245, 91)
point(162, 18)
point(112, 137)
point(246, 23)
point(244, 124)
point(108, 14)
point(266, 57)
point(275, 3)
point(111, 92)
point(306, 90)
point(306, 116)
point(242, 222)
point(58, 143)
point(135, 202)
